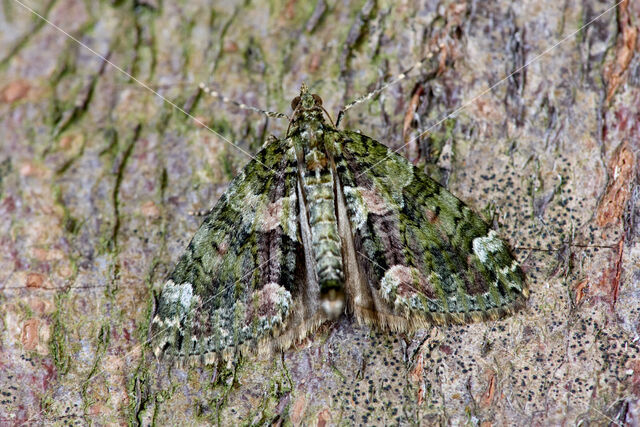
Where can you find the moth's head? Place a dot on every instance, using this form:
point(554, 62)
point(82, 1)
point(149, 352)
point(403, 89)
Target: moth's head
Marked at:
point(306, 101)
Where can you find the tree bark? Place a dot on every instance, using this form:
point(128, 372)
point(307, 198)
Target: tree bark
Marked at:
point(533, 118)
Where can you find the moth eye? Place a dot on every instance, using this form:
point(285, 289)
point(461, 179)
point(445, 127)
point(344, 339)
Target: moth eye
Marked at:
point(317, 98)
point(295, 102)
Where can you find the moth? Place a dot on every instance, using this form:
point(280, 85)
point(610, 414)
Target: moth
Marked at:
point(325, 222)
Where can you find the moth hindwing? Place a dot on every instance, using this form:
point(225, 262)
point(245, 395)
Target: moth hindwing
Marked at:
point(323, 222)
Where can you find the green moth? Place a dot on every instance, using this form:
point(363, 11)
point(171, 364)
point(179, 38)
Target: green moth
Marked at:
point(325, 222)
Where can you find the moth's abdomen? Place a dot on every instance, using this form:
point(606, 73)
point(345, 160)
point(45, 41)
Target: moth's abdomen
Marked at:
point(324, 228)
point(326, 244)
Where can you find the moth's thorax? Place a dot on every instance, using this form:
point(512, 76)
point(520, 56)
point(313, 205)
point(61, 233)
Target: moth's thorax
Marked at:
point(308, 121)
point(308, 113)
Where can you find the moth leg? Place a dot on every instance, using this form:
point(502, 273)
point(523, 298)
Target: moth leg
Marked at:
point(200, 213)
point(270, 140)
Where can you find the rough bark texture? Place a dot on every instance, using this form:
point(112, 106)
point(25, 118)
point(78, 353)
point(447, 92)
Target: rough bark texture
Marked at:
point(98, 174)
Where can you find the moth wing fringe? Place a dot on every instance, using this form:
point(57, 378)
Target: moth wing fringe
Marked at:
point(265, 346)
point(413, 321)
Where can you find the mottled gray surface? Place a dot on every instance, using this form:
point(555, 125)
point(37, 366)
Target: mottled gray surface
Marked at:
point(97, 176)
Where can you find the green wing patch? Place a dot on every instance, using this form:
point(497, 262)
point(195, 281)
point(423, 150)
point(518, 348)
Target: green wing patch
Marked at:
point(424, 252)
point(239, 279)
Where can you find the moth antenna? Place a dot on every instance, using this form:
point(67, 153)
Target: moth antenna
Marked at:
point(241, 105)
point(155, 86)
point(390, 83)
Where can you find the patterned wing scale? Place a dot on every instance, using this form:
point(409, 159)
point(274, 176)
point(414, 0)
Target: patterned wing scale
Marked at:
point(423, 255)
point(238, 282)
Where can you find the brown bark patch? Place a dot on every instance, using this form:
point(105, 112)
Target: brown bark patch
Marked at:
point(612, 205)
point(150, 210)
point(625, 46)
point(297, 412)
point(29, 337)
point(41, 306)
point(610, 281)
point(488, 395)
point(635, 376)
point(324, 418)
point(35, 280)
point(412, 147)
point(416, 375)
point(580, 291)
point(15, 91)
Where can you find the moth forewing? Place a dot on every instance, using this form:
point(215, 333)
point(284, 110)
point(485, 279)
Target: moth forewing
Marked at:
point(357, 291)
